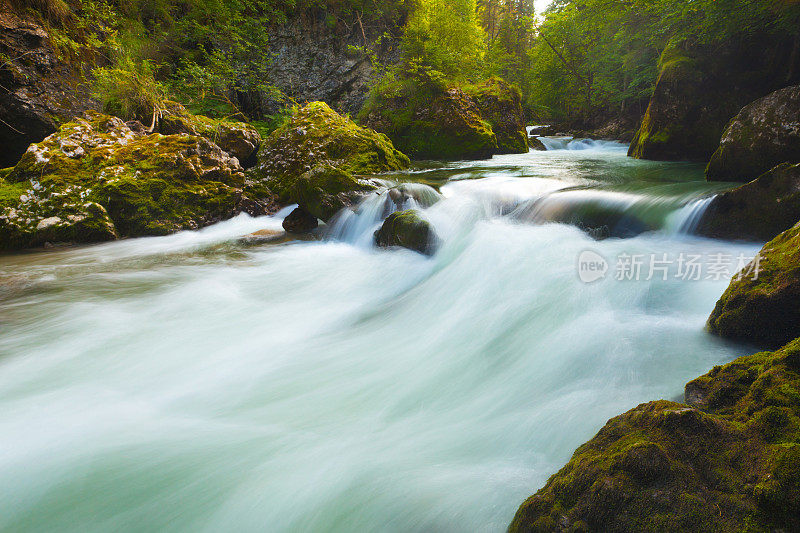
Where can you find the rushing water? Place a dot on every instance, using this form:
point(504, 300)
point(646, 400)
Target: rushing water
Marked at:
point(193, 383)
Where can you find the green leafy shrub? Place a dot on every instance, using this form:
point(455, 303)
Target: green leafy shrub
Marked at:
point(129, 89)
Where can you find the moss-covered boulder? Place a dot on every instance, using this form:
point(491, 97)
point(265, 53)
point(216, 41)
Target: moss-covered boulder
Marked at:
point(762, 305)
point(317, 135)
point(678, 124)
point(427, 121)
point(407, 229)
point(96, 179)
point(500, 104)
point(765, 133)
point(325, 189)
point(698, 91)
point(236, 138)
point(756, 211)
point(728, 460)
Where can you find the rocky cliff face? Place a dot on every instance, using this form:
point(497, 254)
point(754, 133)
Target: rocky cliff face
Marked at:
point(38, 89)
point(697, 93)
point(314, 63)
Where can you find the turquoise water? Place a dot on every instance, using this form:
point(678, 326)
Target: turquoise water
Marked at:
point(192, 383)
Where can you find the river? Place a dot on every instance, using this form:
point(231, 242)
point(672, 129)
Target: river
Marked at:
point(194, 383)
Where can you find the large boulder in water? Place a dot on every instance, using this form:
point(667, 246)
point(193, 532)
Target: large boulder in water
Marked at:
point(698, 91)
point(729, 456)
point(762, 303)
point(764, 134)
point(318, 135)
point(96, 179)
point(325, 189)
point(500, 104)
point(407, 229)
point(430, 121)
point(756, 211)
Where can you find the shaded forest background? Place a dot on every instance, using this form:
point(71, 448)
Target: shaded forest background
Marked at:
point(580, 62)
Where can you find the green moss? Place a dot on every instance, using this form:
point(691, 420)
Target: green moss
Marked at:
point(500, 104)
point(726, 462)
point(764, 308)
point(96, 179)
point(10, 192)
point(315, 135)
point(236, 138)
point(429, 121)
point(689, 108)
point(324, 190)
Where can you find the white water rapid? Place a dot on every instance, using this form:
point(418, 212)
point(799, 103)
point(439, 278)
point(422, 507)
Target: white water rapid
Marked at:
point(193, 383)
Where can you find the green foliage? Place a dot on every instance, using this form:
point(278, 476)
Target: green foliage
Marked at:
point(443, 36)
point(213, 53)
point(595, 56)
point(129, 90)
point(271, 123)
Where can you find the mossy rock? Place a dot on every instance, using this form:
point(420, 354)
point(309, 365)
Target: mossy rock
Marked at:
point(500, 104)
point(96, 179)
point(430, 122)
point(60, 217)
point(756, 211)
point(316, 135)
point(407, 229)
point(236, 138)
point(674, 127)
point(765, 133)
point(324, 190)
point(725, 461)
point(698, 90)
point(764, 309)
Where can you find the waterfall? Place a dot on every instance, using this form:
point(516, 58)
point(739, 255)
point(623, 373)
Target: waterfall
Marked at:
point(357, 225)
point(685, 220)
point(570, 143)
